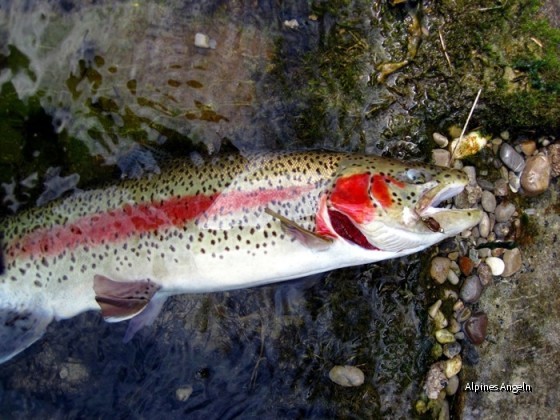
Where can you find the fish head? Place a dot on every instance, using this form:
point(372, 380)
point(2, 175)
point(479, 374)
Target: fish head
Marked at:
point(388, 205)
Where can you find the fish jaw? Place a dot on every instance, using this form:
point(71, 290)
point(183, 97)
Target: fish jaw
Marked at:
point(391, 206)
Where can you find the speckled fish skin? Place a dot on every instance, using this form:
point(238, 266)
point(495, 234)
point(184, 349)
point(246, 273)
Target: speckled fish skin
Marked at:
point(229, 222)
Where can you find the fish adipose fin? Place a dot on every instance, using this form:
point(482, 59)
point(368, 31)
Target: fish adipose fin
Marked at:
point(306, 237)
point(119, 300)
point(20, 329)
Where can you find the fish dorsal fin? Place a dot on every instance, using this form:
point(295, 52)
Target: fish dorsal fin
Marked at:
point(306, 237)
point(122, 300)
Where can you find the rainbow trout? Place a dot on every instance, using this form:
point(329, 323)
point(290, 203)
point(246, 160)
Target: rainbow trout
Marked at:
point(226, 223)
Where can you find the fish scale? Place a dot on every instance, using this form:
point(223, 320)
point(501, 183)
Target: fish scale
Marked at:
point(199, 226)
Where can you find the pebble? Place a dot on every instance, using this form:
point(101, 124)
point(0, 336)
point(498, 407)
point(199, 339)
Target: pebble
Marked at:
point(488, 201)
point(463, 314)
point(434, 309)
point(484, 226)
point(452, 277)
point(512, 262)
point(201, 40)
point(502, 230)
point(475, 328)
point(183, 394)
point(441, 157)
point(347, 376)
point(504, 211)
point(528, 147)
point(440, 321)
point(511, 158)
point(454, 326)
point(440, 139)
point(471, 174)
point(466, 265)
point(501, 188)
point(439, 269)
point(496, 265)
point(471, 289)
point(535, 178)
point(291, 24)
point(452, 385)
point(435, 381)
point(514, 182)
point(484, 272)
point(443, 336)
point(451, 350)
point(452, 366)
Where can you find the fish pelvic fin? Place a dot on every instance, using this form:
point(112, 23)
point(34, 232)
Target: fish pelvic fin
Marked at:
point(19, 329)
point(122, 300)
point(310, 239)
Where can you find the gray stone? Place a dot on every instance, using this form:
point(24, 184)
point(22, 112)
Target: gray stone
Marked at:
point(504, 211)
point(488, 201)
point(471, 289)
point(512, 262)
point(439, 269)
point(346, 376)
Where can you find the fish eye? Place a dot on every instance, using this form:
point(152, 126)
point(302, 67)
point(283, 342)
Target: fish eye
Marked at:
point(414, 176)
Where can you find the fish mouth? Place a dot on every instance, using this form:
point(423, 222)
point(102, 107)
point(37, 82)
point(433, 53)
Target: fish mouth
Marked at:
point(445, 220)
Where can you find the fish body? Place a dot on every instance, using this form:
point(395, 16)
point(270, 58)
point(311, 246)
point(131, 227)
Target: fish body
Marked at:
point(225, 223)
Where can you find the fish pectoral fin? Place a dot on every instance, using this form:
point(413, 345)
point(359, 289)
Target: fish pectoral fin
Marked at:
point(306, 237)
point(144, 318)
point(120, 300)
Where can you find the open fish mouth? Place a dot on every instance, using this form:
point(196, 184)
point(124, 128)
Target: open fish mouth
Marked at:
point(442, 219)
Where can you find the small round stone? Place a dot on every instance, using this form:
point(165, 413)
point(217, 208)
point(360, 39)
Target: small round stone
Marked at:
point(466, 265)
point(488, 201)
point(471, 289)
point(511, 158)
point(497, 266)
point(501, 188)
point(347, 376)
point(183, 394)
point(535, 177)
point(504, 211)
point(435, 381)
point(484, 272)
point(441, 157)
point(452, 277)
point(434, 309)
point(439, 269)
point(528, 147)
point(463, 314)
point(440, 139)
point(484, 226)
point(452, 385)
point(502, 229)
point(452, 366)
point(475, 328)
point(512, 262)
point(451, 350)
point(443, 336)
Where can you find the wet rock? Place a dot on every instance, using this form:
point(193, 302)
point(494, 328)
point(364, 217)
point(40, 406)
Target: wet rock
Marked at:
point(528, 147)
point(514, 181)
point(451, 350)
point(471, 289)
point(502, 230)
point(439, 269)
point(183, 394)
point(202, 41)
point(501, 188)
point(443, 336)
point(440, 321)
point(466, 265)
point(511, 158)
point(484, 226)
point(454, 326)
point(452, 385)
point(463, 314)
point(496, 265)
point(434, 309)
point(441, 157)
point(488, 201)
point(484, 273)
point(512, 262)
point(474, 194)
point(436, 381)
point(452, 277)
point(504, 211)
point(452, 366)
point(475, 328)
point(471, 174)
point(346, 376)
point(535, 178)
point(440, 140)
point(485, 184)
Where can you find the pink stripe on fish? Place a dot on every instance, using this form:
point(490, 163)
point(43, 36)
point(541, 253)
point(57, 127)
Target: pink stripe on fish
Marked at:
point(117, 225)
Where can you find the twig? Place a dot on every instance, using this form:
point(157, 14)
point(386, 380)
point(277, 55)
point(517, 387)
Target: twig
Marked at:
point(466, 122)
point(445, 51)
